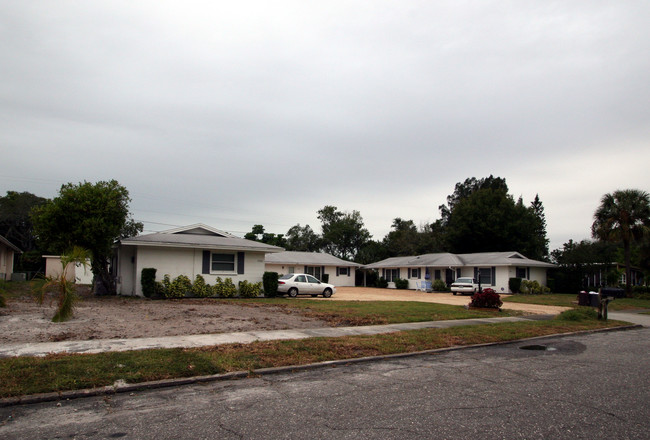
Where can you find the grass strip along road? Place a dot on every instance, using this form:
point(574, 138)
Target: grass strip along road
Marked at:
point(56, 373)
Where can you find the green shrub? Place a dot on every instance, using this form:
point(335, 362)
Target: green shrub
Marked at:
point(640, 291)
point(159, 289)
point(382, 283)
point(488, 298)
point(3, 303)
point(166, 284)
point(250, 290)
point(579, 314)
point(533, 288)
point(224, 288)
point(179, 287)
point(514, 284)
point(270, 281)
point(439, 286)
point(401, 284)
point(199, 288)
point(148, 281)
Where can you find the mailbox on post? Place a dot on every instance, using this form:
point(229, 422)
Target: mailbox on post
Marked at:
point(605, 295)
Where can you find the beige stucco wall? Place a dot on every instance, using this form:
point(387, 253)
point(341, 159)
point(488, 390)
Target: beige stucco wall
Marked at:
point(6, 262)
point(341, 280)
point(175, 262)
point(54, 268)
point(76, 273)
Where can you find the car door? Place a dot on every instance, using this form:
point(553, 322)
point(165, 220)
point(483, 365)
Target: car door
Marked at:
point(302, 284)
point(314, 284)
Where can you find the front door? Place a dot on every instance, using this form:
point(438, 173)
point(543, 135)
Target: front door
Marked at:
point(449, 277)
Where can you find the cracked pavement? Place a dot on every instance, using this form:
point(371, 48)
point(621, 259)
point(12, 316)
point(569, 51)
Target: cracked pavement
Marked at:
point(589, 386)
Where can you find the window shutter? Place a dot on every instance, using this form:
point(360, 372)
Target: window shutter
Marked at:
point(419, 272)
point(383, 273)
point(349, 270)
point(399, 272)
point(337, 271)
point(528, 273)
point(494, 276)
point(240, 262)
point(305, 271)
point(206, 262)
point(476, 273)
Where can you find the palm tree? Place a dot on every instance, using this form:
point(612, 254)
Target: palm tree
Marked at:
point(65, 288)
point(623, 216)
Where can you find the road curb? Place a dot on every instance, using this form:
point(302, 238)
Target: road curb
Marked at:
point(166, 383)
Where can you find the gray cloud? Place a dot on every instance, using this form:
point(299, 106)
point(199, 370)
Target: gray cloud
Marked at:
point(258, 112)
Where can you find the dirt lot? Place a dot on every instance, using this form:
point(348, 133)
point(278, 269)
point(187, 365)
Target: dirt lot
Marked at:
point(24, 321)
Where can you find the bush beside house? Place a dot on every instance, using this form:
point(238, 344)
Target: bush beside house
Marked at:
point(488, 298)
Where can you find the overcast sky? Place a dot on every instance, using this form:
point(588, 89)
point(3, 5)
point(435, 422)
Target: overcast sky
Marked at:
point(263, 112)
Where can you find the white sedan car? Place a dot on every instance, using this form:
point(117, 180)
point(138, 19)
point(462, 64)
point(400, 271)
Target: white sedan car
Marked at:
point(464, 285)
point(294, 284)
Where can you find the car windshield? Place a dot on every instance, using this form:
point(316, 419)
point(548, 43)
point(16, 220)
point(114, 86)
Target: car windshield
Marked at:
point(286, 277)
point(465, 280)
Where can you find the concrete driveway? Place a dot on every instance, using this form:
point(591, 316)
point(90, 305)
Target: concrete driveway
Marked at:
point(374, 294)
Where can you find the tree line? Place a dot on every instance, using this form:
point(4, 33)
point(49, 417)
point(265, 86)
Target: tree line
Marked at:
point(480, 216)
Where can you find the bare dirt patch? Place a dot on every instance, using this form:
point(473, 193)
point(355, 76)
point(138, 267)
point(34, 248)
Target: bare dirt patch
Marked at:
point(111, 317)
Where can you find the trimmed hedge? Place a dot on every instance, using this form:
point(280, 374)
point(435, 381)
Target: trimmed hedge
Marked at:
point(148, 281)
point(514, 284)
point(270, 282)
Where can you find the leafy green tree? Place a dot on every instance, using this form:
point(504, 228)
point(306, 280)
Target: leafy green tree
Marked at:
point(371, 252)
point(16, 226)
point(303, 239)
point(403, 239)
point(577, 260)
point(539, 239)
point(343, 232)
point(480, 216)
point(623, 216)
point(465, 189)
point(258, 234)
point(91, 216)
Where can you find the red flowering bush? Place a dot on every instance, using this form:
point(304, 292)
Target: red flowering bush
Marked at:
point(486, 299)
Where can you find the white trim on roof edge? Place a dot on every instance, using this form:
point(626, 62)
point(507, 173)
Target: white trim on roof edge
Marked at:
point(198, 226)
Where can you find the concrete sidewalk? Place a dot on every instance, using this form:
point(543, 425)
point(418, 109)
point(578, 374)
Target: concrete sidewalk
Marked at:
point(190, 341)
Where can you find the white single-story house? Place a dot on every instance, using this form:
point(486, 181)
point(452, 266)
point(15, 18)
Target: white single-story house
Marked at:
point(76, 273)
point(190, 250)
point(494, 268)
point(7, 252)
point(339, 272)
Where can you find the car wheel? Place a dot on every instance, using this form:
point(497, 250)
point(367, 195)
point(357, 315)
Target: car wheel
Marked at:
point(454, 293)
point(327, 293)
point(293, 292)
point(314, 296)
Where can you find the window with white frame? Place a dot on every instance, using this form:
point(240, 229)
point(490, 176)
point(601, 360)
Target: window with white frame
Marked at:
point(391, 274)
point(486, 275)
point(313, 270)
point(223, 262)
point(521, 273)
point(414, 273)
point(344, 271)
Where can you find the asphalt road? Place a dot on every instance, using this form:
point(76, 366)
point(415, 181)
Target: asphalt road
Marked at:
point(591, 386)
